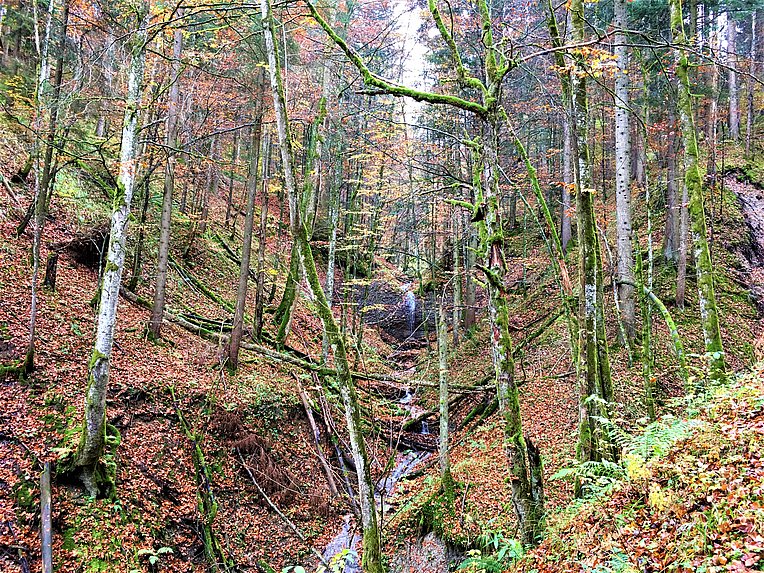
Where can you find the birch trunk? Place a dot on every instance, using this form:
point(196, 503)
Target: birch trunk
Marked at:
point(171, 137)
point(93, 436)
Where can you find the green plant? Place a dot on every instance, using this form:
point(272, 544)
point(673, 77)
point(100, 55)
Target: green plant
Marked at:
point(152, 555)
point(497, 552)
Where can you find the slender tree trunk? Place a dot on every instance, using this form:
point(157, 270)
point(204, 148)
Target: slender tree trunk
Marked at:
point(470, 288)
point(734, 98)
point(246, 249)
point(93, 436)
point(234, 159)
point(262, 237)
point(372, 559)
point(567, 180)
point(457, 278)
point(446, 481)
point(684, 228)
point(625, 259)
point(334, 219)
point(757, 27)
point(39, 204)
point(671, 231)
point(694, 184)
point(163, 257)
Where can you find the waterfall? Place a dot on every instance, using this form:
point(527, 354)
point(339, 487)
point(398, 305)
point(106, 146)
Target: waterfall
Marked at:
point(409, 303)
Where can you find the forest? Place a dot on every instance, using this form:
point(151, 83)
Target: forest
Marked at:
point(381, 285)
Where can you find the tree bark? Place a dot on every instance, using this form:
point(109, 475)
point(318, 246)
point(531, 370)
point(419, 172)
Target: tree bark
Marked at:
point(246, 249)
point(596, 391)
point(703, 264)
point(624, 255)
point(155, 324)
point(734, 98)
point(93, 436)
point(446, 480)
point(372, 558)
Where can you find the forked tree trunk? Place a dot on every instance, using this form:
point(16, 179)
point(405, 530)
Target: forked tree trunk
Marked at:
point(93, 436)
point(39, 204)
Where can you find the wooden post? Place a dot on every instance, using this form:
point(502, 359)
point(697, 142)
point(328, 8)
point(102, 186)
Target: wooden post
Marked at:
point(46, 534)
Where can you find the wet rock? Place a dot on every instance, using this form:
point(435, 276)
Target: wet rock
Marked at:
point(429, 554)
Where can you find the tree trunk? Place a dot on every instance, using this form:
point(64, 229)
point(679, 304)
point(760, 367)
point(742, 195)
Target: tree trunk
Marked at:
point(673, 207)
point(625, 259)
point(567, 180)
point(734, 103)
point(246, 249)
point(372, 558)
point(457, 236)
point(40, 202)
point(596, 392)
point(93, 436)
point(684, 228)
point(470, 288)
point(262, 237)
point(155, 324)
point(703, 264)
point(446, 481)
point(234, 159)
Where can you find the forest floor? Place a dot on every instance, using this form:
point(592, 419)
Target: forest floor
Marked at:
point(155, 523)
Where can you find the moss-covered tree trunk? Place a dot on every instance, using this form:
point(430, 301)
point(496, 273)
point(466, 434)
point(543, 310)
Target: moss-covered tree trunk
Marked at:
point(595, 384)
point(372, 557)
point(694, 184)
point(94, 427)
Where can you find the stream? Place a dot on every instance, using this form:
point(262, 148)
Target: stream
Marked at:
point(404, 357)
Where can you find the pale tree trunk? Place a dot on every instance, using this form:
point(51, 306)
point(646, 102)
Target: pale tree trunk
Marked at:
point(713, 105)
point(446, 480)
point(684, 228)
point(757, 27)
point(470, 288)
point(93, 436)
point(671, 231)
point(165, 224)
point(567, 181)
point(456, 236)
point(734, 103)
point(596, 391)
point(624, 255)
point(701, 251)
point(246, 249)
point(372, 558)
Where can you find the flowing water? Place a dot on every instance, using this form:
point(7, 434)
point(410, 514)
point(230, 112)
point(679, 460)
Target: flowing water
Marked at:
point(345, 545)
